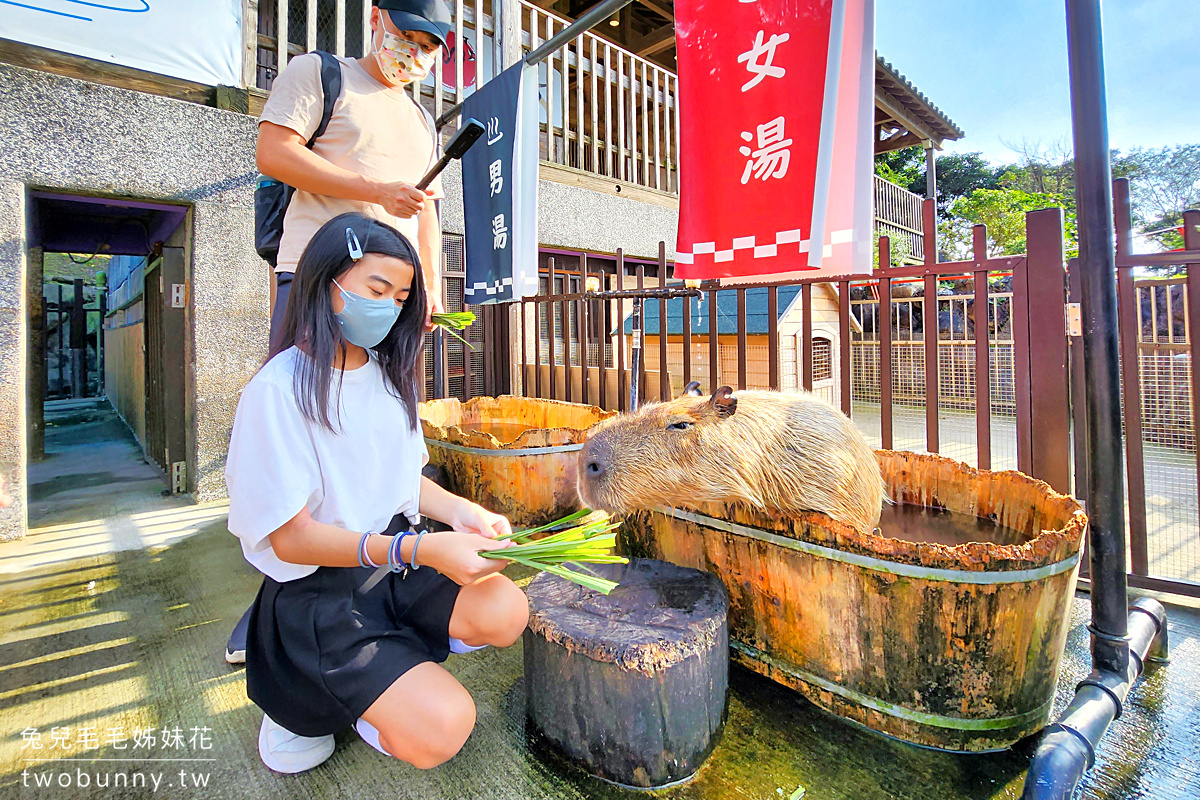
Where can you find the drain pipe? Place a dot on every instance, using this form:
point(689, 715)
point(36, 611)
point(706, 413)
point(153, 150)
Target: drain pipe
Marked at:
point(1121, 637)
point(1068, 748)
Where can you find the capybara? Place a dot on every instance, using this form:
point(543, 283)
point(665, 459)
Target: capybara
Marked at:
point(786, 451)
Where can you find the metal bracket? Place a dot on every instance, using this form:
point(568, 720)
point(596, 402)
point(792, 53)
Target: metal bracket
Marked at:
point(1074, 320)
point(178, 477)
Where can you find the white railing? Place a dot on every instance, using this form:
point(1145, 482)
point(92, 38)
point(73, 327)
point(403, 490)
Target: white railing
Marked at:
point(343, 27)
point(898, 216)
point(604, 109)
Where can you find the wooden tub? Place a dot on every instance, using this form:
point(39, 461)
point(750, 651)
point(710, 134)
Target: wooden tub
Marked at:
point(955, 648)
point(521, 463)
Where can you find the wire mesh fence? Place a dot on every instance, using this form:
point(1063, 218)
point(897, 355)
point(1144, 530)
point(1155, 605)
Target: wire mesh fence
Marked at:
point(1168, 435)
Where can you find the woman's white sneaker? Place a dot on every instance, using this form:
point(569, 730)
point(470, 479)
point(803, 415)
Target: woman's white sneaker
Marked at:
point(284, 751)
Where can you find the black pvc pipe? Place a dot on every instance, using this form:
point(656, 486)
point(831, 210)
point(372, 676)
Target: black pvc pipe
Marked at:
point(1120, 643)
point(1068, 749)
point(1098, 278)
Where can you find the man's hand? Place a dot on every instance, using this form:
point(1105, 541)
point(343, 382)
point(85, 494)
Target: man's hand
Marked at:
point(433, 306)
point(401, 199)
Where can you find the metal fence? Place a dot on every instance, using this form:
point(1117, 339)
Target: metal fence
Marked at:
point(922, 381)
point(1159, 410)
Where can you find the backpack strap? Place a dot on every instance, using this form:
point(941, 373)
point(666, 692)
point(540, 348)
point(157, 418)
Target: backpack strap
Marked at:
point(331, 88)
point(431, 123)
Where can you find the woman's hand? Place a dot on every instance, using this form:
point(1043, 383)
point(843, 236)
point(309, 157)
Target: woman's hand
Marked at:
point(455, 554)
point(474, 518)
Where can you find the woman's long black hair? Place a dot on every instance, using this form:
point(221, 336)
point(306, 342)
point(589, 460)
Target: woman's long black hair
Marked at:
point(310, 323)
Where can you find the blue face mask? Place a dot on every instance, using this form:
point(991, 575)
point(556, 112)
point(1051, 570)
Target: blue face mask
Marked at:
point(366, 321)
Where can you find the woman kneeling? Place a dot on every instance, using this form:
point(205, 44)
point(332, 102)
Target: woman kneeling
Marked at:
point(324, 476)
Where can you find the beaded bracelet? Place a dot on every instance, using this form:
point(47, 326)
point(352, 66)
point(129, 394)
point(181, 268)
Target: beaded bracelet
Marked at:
point(416, 544)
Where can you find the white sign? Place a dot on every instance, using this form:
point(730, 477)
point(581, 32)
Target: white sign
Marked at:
point(197, 40)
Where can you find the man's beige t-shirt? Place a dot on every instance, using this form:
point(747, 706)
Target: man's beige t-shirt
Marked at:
point(375, 130)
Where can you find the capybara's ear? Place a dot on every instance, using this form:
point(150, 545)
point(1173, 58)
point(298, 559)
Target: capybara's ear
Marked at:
point(692, 390)
point(723, 401)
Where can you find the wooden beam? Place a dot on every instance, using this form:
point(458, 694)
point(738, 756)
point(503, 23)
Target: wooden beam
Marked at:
point(659, 9)
point(897, 142)
point(86, 69)
point(654, 42)
point(889, 103)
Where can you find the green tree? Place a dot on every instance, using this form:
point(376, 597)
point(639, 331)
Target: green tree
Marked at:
point(905, 167)
point(959, 174)
point(1163, 183)
point(1003, 212)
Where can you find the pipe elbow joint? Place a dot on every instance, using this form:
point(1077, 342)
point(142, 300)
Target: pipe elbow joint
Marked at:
point(1058, 766)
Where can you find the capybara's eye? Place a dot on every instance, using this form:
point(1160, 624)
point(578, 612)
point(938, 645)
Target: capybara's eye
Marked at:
point(679, 426)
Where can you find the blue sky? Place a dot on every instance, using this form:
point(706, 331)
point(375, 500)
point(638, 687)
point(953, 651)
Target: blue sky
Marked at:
point(998, 68)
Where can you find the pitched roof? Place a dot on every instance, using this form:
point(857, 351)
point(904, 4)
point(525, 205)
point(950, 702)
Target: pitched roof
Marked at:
point(757, 318)
point(888, 78)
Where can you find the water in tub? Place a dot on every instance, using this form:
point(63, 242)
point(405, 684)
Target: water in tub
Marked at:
point(914, 523)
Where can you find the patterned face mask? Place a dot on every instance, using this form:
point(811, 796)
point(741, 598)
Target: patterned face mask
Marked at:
point(402, 61)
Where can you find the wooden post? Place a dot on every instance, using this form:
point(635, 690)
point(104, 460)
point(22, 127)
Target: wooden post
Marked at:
point(741, 338)
point(773, 337)
point(36, 383)
point(78, 342)
point(883, 323)
point(664, 377)
point(983, 343)
point(930, 171)
point(844, 342)
point(1047, 301)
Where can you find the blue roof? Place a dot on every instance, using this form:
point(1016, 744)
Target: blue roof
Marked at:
point(756, 313)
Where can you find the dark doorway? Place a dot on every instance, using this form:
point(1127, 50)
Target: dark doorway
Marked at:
point(106, 404)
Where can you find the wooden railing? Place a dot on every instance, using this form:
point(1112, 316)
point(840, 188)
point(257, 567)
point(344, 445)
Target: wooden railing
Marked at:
point(604, 110)
point(898, 216)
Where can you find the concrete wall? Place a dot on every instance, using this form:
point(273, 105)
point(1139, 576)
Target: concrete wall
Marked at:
point(576, 218)
point(125, 368)
point(68, 135)
point(13, 344)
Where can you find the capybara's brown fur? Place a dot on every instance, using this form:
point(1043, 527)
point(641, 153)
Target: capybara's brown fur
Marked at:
point(786, 451)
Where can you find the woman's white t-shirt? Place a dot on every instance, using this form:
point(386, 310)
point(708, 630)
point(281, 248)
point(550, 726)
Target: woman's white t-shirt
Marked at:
point(280, 462)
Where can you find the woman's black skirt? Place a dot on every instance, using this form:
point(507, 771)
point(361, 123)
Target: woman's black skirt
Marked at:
point(319, 651)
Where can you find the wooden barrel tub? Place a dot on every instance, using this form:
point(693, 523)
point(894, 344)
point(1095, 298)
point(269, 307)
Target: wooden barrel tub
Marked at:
point(951, 647)
point(513, 455)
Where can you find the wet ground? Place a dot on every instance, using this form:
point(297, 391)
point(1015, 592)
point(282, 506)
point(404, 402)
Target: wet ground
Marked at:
point(130, 635)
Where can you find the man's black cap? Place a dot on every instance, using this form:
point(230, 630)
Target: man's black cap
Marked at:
point(430, 16)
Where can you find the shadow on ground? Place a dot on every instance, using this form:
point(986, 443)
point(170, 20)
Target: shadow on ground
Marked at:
point(135, 639)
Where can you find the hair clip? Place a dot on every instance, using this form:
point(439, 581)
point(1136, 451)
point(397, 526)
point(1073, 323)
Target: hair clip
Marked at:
point(353, 245)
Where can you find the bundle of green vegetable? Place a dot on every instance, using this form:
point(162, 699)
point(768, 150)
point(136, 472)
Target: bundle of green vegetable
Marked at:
point(586, 538)
point(453, 321)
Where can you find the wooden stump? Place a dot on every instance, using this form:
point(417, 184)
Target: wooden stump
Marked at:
point(632, 686)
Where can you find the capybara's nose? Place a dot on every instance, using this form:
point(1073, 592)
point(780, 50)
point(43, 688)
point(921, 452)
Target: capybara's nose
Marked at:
point(595, 468)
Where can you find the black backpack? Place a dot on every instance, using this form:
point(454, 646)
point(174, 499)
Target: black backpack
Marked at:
point(271, 197)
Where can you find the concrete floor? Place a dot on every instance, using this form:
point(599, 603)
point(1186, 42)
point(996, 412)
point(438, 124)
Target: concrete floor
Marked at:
point(124, 637)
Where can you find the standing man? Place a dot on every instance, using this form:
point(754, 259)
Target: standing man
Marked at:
point(377, 146)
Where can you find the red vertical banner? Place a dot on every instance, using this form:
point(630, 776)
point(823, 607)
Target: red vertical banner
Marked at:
point(768, 126)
